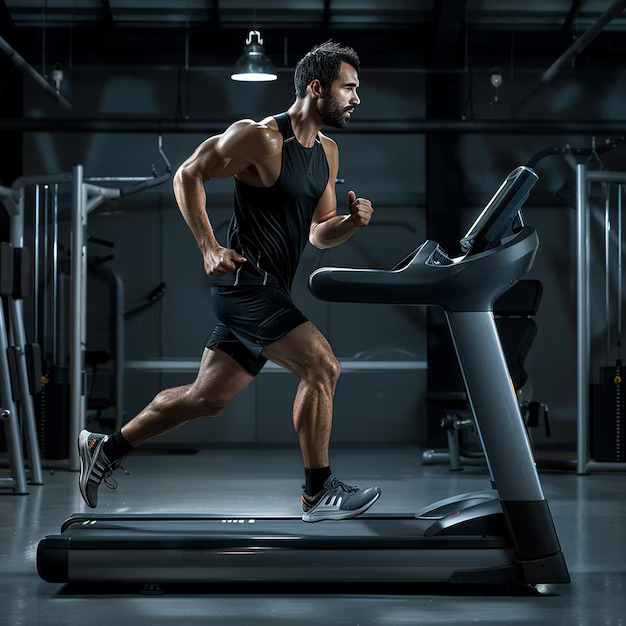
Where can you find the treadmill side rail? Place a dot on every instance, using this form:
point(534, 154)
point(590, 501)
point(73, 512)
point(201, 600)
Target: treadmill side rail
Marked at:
point(53, 555)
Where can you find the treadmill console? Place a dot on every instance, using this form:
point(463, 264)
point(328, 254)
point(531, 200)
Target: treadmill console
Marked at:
point(503, 209)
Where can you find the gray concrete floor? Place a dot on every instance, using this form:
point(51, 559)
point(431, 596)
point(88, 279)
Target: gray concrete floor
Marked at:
point(589, 513)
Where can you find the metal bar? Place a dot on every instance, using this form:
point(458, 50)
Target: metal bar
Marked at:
point(94, 202)
point(45, 291)
point(36, 333)
point(10, 198)
point(27, 411)
point(607, 267)
point(25, 181)
point(619, 270)
point(121, 179)
point(582, 348)
point(55, 271)
point(31, 72)
point(11, 427)
point(606, 177)
point(77, 349)
point(60, 357)
point(17, 221)
point(107, 192)
point(119, 356)
point(357, 126)
point(584, 40)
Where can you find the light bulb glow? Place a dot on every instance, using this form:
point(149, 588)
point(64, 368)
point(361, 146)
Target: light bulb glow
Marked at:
point(253, 77)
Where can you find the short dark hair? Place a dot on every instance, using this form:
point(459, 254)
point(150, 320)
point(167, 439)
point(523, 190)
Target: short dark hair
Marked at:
point(322, 63)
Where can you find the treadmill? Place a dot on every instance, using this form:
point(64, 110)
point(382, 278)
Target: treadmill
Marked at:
point(503, 535)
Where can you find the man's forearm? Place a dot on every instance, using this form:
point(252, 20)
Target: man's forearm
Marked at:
point(334, 231)
point(189, 192)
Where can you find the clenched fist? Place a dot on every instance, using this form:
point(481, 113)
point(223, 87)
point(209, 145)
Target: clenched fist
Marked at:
point(360, 210)
point(218, 261)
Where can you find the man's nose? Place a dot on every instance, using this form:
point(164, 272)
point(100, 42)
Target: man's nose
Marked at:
point(355, 99)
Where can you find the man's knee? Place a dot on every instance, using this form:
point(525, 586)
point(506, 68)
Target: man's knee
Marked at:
point(323, 371)
point(210, 405)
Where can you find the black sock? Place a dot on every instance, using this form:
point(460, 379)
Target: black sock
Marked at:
point(116, 446)
point(315, 478)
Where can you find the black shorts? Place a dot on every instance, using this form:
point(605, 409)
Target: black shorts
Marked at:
point(251, 317)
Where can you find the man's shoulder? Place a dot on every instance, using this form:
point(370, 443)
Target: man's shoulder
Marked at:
point(264, 134)
point(330, 147)
point(328, 143)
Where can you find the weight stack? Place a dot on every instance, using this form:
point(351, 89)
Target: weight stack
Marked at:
point(607, 423)
point(53, 411)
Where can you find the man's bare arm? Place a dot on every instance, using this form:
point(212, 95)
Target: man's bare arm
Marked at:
point(217, 157)
point(327, 228)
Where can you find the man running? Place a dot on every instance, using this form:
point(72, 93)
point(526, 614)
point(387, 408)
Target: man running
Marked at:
point(284, 170)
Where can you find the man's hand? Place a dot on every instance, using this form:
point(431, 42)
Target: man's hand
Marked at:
point(360, 210)
point(218, 261)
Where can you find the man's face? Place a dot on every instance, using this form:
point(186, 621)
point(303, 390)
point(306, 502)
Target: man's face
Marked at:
point(336, 104)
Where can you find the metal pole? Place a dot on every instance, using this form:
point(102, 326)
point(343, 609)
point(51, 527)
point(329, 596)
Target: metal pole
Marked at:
point(584, 40)
point(30, 71)
point(36, 266)
point(11, 426)
point(606, 177)
point(607, 267)
point(47, 179)
point(55, 272)
point(27, 411)
point(619, 269)
point(120, 356)
point(77, 354)
point(582, 349)
point(45, 297)
point(17, 221)
point(83, 313)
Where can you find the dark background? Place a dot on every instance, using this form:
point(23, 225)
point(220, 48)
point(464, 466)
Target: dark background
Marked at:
point(429, 145)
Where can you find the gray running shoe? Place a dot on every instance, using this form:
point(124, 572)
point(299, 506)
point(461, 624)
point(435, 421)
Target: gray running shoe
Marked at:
point(94, 467)
point(337, 501)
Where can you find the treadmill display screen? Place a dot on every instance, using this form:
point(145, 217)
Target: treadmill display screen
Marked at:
point(498, 215)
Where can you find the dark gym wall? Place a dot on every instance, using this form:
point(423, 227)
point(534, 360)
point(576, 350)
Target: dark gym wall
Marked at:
point(153, 244)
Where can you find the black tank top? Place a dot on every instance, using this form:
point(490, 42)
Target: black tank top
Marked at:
point(270, 225)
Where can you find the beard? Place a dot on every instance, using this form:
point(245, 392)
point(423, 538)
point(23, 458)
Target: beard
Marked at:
point(332, 113)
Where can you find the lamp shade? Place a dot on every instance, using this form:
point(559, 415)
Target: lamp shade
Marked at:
point(253, 65)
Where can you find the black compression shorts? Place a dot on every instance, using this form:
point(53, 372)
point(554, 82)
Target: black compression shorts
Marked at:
point(251, 317)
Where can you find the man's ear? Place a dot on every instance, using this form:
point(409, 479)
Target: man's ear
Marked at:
point(316, 88)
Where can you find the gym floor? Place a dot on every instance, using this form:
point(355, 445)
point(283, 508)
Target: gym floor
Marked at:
point(589, 513)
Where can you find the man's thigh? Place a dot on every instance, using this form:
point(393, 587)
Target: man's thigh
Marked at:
point(300, 349)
